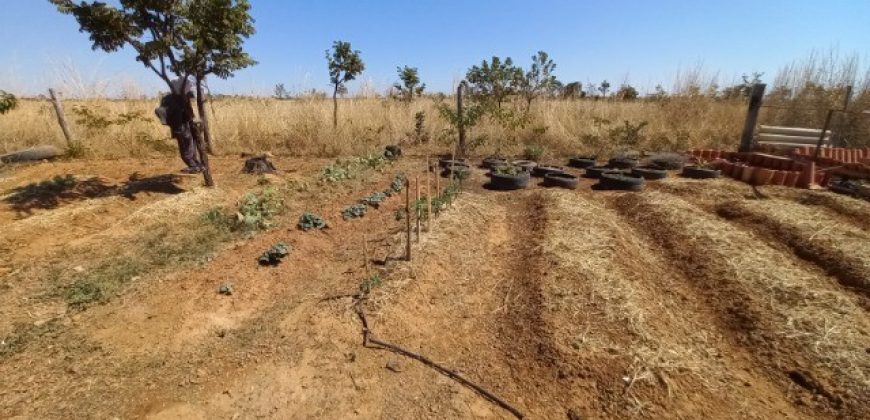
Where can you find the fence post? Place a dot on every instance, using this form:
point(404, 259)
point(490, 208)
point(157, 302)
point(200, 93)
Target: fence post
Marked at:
point(61, 119)
point(459, 115)
point(822, 136)
point(755, 99)
point(408, 218)
point(836, 138)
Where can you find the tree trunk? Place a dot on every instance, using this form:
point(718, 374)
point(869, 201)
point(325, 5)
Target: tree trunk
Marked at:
point(203, 116)
point(335, 107)
point(203, 156)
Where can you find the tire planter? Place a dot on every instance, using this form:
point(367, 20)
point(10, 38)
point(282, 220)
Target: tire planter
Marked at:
point(526, 165)
point(446, 163)
point(622, 163)
point(560, 179)
point(493, 161)
point(700, 173)
point(595, 172)
point(505, 182)
point(621, 182)
point(541, 170)
point(457, 171)
point(392, 152)
point(648, 172)
point(582, 162)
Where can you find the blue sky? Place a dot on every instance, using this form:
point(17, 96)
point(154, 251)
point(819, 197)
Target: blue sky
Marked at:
point(645, 41)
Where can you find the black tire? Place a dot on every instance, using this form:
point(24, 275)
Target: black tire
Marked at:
point(595, 172)
point(622, 163)
point(700, 173)
point(582, 162)
point(620, 182)
point(526, 165)
point(541, 170)
point(31, 154)
point(493, 161)
point(456, 171)
point(446, 163)
point(505, 182)
point(649, 172)
point(560, 179)
point(392, 152)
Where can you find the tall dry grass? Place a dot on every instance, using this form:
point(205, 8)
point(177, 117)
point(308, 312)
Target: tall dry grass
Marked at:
point(120, 128)
point(695, 115)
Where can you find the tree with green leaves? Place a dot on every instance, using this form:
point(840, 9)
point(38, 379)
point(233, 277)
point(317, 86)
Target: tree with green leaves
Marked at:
point(410, 85)
point(8, 102)
point(539, 79)
point(573, 90)
point(176, 39)
point(627, 92)
point(603, 88)
point(345, 64)
point(493, 82)
point(281, 92)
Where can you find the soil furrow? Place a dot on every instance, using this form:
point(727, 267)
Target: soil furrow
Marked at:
point(777, 312)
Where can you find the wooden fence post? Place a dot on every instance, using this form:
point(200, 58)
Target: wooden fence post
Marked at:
point(366, 254)
point(428, 199)
point(459, 116)
point(61, 118)
point(408, 219)
point(417, 209)
point(755, 99)
point(836, 138)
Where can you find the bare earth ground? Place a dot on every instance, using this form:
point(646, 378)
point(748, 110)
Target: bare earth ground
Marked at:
point(691, 299)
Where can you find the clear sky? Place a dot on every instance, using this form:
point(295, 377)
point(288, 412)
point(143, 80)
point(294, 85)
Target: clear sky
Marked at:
point(645, 41)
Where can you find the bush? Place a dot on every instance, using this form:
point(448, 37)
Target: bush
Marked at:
point(533, 152)
point(257, 210)
point(8, 102)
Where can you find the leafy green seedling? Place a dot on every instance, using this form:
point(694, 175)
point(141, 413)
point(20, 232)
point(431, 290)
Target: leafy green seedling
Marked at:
point(374, 200)
point(273, 255)
point(310, 221)
point(353, 212)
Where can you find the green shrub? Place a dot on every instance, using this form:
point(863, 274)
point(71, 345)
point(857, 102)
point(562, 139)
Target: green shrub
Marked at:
point(533, 152)
point(370, 283)
point(507, 170)
point(256, 211)
point(8, 102)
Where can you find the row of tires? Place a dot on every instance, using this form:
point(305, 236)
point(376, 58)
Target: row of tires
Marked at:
point(618, 174)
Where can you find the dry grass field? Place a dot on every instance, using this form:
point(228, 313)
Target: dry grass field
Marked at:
point(303, 127)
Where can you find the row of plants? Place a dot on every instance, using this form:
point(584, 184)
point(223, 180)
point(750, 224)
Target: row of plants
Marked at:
point(374, 200)
point(345, 169)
